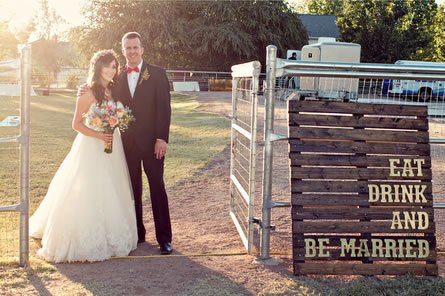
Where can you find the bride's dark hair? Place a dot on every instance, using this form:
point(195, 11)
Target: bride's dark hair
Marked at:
point(99, 60)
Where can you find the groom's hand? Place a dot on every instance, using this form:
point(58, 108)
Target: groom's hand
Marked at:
point(82, 89)
point(160, 148)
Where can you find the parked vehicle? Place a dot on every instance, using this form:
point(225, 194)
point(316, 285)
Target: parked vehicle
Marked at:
point(422, 89)
point(325, 87)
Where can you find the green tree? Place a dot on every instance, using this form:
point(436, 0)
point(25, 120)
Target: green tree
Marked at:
point(325, 7)
point(24, 34)
point(387, 30)
point(435, 50)
point(8, 46)
point(207, 35)
point(48, 53)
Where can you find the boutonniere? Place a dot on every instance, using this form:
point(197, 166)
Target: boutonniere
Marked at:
point(144, 76)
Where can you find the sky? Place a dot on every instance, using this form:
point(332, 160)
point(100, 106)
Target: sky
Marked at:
point(19, 12)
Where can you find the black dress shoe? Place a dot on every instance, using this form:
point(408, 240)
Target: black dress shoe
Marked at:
point(166, 248)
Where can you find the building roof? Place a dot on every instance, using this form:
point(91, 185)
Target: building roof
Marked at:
point(320, 25)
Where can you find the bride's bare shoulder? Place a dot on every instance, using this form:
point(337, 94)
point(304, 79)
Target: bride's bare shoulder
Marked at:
point(87, 97)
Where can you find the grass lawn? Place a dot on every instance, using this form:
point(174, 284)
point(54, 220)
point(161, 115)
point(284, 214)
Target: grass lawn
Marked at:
point(195, 138)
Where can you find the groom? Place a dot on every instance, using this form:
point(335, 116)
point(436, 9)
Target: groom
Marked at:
point(145, 89)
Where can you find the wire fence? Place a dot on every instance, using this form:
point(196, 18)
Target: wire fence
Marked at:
point(71, 78)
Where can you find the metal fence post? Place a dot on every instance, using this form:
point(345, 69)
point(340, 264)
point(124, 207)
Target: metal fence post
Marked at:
point(25, 92)
point(232, 138)
point(271, 60)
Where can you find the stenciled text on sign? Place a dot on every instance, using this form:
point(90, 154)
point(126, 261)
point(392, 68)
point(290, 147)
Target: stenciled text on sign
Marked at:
point(384, 194)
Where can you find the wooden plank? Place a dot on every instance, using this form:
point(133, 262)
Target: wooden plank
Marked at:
point(351, 213)
point(296, 132)
point(299, 254)
point(359, 147)
point(318, 120)
point(356, 108)
point(352, 227)
point(322, 199)
point(389, 247)
point(347, 186)
point(348, 160)
point(354, 173)
point(334, 239)
point(364, 269)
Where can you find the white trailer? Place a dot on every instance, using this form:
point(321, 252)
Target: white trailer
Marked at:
point(330, 88)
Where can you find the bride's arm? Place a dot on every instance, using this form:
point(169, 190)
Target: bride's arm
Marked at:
point(83, 103)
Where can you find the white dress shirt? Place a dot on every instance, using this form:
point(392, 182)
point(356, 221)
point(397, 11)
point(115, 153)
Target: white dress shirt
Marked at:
point(133, 79)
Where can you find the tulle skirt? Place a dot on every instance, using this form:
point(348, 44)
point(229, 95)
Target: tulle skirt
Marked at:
point(88, 212)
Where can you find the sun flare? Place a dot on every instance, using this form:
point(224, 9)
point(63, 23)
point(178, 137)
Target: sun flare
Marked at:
point(19, 12)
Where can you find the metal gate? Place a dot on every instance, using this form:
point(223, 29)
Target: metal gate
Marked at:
point(10, 226)
point(245, 84)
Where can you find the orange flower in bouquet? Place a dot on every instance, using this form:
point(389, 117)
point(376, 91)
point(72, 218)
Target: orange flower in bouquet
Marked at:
point(107, 117)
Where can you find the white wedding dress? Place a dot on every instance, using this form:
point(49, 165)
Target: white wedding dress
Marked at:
point(88, 213)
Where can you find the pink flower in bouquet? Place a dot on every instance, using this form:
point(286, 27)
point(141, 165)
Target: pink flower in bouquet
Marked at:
point(113, 121)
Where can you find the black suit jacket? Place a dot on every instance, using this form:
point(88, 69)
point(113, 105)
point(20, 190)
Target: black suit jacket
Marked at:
point(151, 107)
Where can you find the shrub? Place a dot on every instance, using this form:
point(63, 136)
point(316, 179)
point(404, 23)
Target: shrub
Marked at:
point(220, 84)
point(72, 81)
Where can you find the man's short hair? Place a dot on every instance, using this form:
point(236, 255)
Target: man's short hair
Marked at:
point(131, 35)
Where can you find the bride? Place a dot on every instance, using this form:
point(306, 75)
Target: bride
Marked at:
point(88, 212)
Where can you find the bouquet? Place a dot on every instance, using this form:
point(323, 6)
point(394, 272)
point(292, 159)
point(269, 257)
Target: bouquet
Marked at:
point(107, 117)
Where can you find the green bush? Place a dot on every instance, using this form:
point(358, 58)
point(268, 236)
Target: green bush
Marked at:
point(72, 81)
point(43, 79)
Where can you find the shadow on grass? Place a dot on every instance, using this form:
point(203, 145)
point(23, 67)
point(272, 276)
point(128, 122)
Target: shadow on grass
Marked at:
point(34, 276)
point(15, 280)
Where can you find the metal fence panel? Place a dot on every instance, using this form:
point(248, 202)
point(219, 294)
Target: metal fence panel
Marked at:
point(243, 149)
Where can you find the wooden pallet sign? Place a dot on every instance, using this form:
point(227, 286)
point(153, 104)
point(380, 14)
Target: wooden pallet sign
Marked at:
point(361, 189)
